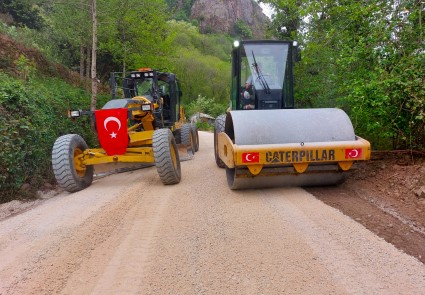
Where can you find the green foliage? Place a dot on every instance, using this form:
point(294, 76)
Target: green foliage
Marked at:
point(24, 13)
point(180, 9)
point(25, 67)
point(242, 29)
point(201, 62)
point(204, 126)
point(207, 106)
point(364, 57)
point(390, 105)
point(135, 35)
point(33, 115)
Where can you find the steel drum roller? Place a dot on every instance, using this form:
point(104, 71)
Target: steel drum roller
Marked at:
point(264, 127)
point(289, 126)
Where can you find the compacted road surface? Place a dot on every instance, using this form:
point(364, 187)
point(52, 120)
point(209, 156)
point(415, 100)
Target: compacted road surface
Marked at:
point(129, 234)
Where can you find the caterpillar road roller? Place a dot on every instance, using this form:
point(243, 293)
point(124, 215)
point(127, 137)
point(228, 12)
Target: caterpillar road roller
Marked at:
point(143, 123)
point(262, 141)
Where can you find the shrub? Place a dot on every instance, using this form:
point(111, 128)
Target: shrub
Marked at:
point(32, 115)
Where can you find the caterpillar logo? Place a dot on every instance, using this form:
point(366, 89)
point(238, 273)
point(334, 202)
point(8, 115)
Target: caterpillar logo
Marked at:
point(300, 156)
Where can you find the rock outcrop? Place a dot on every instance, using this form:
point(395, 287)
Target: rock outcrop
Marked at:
point(221, 16)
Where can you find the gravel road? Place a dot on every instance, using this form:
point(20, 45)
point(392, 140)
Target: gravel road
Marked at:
point(129, 234)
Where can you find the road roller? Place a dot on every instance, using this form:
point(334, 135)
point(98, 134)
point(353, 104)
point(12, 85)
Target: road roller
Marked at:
point(263, 141)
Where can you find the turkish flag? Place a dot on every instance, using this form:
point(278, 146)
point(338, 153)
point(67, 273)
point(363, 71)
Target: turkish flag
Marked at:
point(353, 153)
point(250, 157)
point(112, 130)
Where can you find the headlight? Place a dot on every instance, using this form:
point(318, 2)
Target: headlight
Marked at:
point(146, 107)
point(74, 114)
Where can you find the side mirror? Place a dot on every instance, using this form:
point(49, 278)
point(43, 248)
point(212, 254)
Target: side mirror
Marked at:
point(172, 78)
point(297, 54)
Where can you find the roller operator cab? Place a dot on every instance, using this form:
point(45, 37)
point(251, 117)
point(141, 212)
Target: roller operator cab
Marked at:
point(262, 141)
point(262, 75)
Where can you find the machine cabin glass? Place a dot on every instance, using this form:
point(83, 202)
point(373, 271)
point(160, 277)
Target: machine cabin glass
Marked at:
point(265, 75)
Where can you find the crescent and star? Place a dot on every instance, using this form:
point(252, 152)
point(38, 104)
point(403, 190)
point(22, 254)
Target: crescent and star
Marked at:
point(248, 158)
point(113, 119)
point(354, 154)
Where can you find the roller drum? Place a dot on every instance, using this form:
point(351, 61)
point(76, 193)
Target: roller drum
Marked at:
point(263, 127)
point(327, 177)
point(288, 126)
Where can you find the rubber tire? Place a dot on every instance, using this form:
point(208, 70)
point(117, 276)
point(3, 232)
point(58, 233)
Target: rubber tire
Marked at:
point(195, 137)
point(218, 127)
point(63, 163)
point(164, 147)
point(186, 136)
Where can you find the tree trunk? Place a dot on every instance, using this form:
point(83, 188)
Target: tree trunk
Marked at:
point(82, 57)
point(93, 59)
point(87, 65)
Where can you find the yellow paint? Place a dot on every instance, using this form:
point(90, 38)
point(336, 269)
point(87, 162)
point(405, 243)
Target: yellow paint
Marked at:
point(296, 155)
point(301, 167)
point(255, 169)
point(99, 156)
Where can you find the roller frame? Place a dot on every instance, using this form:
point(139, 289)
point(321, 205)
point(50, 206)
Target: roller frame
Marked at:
point(232, 154)
point(301, 164)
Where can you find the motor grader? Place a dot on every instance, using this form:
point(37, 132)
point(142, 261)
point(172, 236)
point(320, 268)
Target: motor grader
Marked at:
point(142, 123)
point(263, 141)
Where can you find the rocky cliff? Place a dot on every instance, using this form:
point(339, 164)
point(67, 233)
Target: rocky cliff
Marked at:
point(229, 15)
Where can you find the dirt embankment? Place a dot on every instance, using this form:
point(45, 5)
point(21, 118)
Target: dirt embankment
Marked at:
point(387, 196)
point(10, 50)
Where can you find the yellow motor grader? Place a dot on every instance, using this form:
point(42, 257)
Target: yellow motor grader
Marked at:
point(263, 141)
point(147, 126)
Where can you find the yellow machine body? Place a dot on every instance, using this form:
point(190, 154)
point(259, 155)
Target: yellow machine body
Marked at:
point(295, 155)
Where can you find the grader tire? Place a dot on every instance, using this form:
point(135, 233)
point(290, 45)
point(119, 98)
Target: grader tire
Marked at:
point(218, 127)
point(68, 173)
point(186, 136)
point(195, 137)
point(166, 156)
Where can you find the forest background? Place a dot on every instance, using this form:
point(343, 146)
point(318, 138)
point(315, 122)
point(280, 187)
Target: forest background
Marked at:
point(366, 57)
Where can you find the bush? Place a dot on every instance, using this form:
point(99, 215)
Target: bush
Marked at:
point(207, 106)
point(204, 126)
point(242, 29)
point(32, 115)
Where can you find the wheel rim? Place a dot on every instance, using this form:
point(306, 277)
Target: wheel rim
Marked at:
point(79, 168)
point(173, 155)
point(192, 141)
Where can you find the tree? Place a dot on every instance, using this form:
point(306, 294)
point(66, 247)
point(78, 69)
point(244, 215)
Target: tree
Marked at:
point(136, 34)
point(24, 13)
point(72, 23)
point(94, 55)
point(366, 57)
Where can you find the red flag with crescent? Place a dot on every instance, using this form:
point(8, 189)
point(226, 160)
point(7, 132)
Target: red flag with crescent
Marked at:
point(353, 153)
point(111, 125)
point(250, 157)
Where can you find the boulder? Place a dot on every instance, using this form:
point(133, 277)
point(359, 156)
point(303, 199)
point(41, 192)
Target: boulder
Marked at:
point(218, 16)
